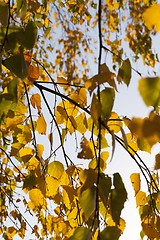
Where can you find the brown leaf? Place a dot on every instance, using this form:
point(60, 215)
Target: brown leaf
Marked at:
point(33, 73)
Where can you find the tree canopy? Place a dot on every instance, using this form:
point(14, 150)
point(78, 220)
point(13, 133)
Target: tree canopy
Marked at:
point(49, 90)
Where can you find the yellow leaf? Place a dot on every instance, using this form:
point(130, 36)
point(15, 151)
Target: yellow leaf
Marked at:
point(55, 169)
point(141, 199)
point(81, 122)
point(150, 230)
point(68, 194)
point(37, 198)
point(87, 151)
point(36, 101)
point(95, 108)
point(132, 142)
point(62, 82)
point(40, 149)
point(151, 17)
point(114, 123)
point(26, 153)
point(157, 163)
point(135, 180)
point(64, 180)
point(41, 125)
point(82, 97)
point(33, 163)
point(50, 138)
point(26, 136)
point(52, 185)
point(71, 124)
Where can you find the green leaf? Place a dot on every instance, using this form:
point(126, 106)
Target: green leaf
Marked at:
point(149, 89)
point(110, 233)
point(12, 88)
point(81, 233)
point(88, 201)
point(118, 197)
point(4, 13)
point(107, 97)
point(125, 72)
point(44, 2)
point(143, 145)
point(17, 65)
point(104, 187)
point(55, 169)
point(22, 5)
point(30, 35)
point(29, 181)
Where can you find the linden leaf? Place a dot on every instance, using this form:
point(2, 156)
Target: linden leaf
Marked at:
point(118, 197)
point(107, 100)
point(135, 180)
point(125, 72)
point(95, 108)
point(41, 125)
point(151, 17)
point(55, 169)
point(141, 199)
point(157, 163)
point(88, 201)
point(87, 152)
point(149, 89)
point(33, 73)
point(36, 102)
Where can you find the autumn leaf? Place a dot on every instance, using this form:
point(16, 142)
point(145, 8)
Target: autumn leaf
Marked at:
point(124, 72)
point(107, 100)
point(87, 149)
point(140, 199)
point(151, 17)
point(33, 73)
point(41, 125)
point(157, 162)
point(55, 169)
point(135, 180)
point(95, 108)
point(36, 102)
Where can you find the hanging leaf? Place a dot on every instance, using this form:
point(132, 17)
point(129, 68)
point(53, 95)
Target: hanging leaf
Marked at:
point(157, 162)
point(125, 72)
point(36, 101)
point(118, 197)
point(87, 149)
point(151, 17)
point(30, 35)
point(29, 181)
point(81, 122)
point(88, 201)
point(95, 108)
point(124, 138)
point(104, 188)
point(107, 100)
point(55, 169)
point(33, 73)
point(141, 199)
point(135, 180)
point(149, 89)
point(41, 125)
point(40, 149)
point(81, 233)
point(4, 14)
point(37, 198)
point(17, 65)
point(12, 88)
point(110, 232)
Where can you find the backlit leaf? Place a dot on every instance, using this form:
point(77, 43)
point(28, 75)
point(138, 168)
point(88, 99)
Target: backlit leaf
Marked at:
point(81, 122)
point(36, 197)
point(114, 123)
point(52, 185)
point(143, 145)
point(33, 73)
point(141, 199)
point(55, 169)
point(95, 108)
point(151, 17)
point(149, 89)
point(118, 197)
point(88, 201)
point(87, 149)
point(107, 100)
point(41, 125)
point(125, 72)
point(135, 180)
point(12, 88)
point(40, 149)
point(36, 101)
point(33, 163)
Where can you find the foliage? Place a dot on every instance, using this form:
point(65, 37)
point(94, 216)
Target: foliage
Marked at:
point(47, 92)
